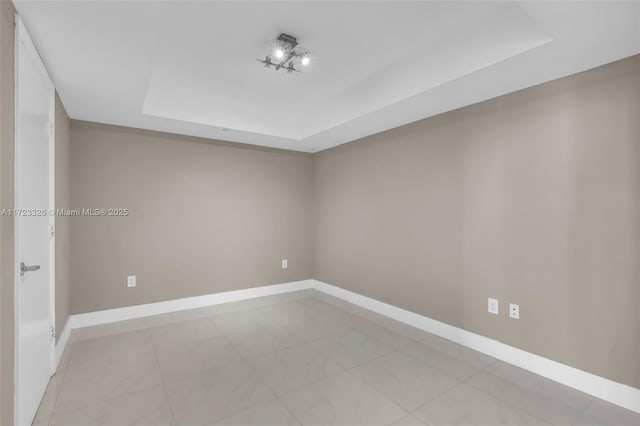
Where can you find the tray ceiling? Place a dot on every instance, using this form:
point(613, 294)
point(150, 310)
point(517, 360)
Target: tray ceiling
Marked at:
point(190, 67)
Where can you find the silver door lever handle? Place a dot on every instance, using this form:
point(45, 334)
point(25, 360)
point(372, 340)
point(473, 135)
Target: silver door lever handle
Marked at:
point(24, 268)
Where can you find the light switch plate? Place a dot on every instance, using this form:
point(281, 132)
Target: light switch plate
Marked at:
point(492, 306)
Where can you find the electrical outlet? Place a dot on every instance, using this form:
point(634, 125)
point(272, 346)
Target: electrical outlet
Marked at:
point(514, 311)
point(131, 281)
point(492, 306)
point(284, 263)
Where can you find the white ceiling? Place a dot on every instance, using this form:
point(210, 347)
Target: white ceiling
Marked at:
point(190, 67)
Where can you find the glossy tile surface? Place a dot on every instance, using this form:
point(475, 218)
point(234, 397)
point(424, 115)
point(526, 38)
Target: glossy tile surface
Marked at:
point(408, 420)
point(353, 348)
point(604, 413)
point(148, 407)
point(447, 363)
point(179, 361)
point(341, 400)
point(544, 406)
point(91, 384)
point(301, 358)
point(407, 381)
point(271, 413)
point(211, 396)
point(465, 405)
point(183, 332)
point(292, 368)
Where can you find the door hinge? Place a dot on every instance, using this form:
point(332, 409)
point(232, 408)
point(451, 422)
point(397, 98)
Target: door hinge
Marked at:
point(51, 129)
point(52, 231)
point(53, 333)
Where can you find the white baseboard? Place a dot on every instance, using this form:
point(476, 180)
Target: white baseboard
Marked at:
point(616, 393)
point(63, 339)
point(608, 390)
point(149, 309)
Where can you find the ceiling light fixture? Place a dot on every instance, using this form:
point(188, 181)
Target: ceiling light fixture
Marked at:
point(285, 54)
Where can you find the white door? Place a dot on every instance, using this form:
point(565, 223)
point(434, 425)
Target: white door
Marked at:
point(34, 236)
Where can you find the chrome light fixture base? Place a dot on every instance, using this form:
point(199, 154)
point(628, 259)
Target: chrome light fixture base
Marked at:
point(285, 54)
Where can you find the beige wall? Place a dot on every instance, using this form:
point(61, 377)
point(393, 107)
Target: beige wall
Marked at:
point(63, 230)
point(6, 201)
point(531, 198)
point(205, 216)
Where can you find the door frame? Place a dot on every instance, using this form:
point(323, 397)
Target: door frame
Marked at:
point(23, 41)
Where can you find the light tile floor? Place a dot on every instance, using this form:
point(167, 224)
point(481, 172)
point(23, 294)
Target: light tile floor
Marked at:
point(300, 358)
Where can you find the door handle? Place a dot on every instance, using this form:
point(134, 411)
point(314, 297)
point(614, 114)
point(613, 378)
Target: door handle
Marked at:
point(24, 268)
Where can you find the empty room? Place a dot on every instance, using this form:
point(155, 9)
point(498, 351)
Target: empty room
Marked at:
point(281, 213)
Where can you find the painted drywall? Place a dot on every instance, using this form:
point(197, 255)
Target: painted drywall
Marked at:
point(204, 216)
point(6, 201)
point(62, 223)
point(531, 198)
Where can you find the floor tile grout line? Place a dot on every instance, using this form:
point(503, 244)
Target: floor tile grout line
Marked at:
point(314, 382)
point(207, 370)
point(327, 377)
point(303, 342)
point(299, 421)
point(390, 331)
point(415, 357)
point(340, 367)
point(481, 370)
point(510, 404)
point(399, 351)
point(148, 327)
point(119, 395)
point(592, 399)
point(334, 337)
point(458, 381)
point(217, 367)
point(395, 350)
point(67, 352)
point(435, 397)
point(248, 364)
point(164, 385)
point(478, 368)
point(286, 329)
point(585, 409)
point(358, 328)
point(371, 388)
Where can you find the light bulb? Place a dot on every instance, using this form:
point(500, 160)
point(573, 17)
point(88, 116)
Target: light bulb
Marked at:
point(279, 53)
point(305, 60)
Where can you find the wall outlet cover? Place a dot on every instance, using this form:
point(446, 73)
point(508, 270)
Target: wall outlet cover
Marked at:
point(131, 281)
point(514, 311)
point(492, 306)
point(285, 263)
